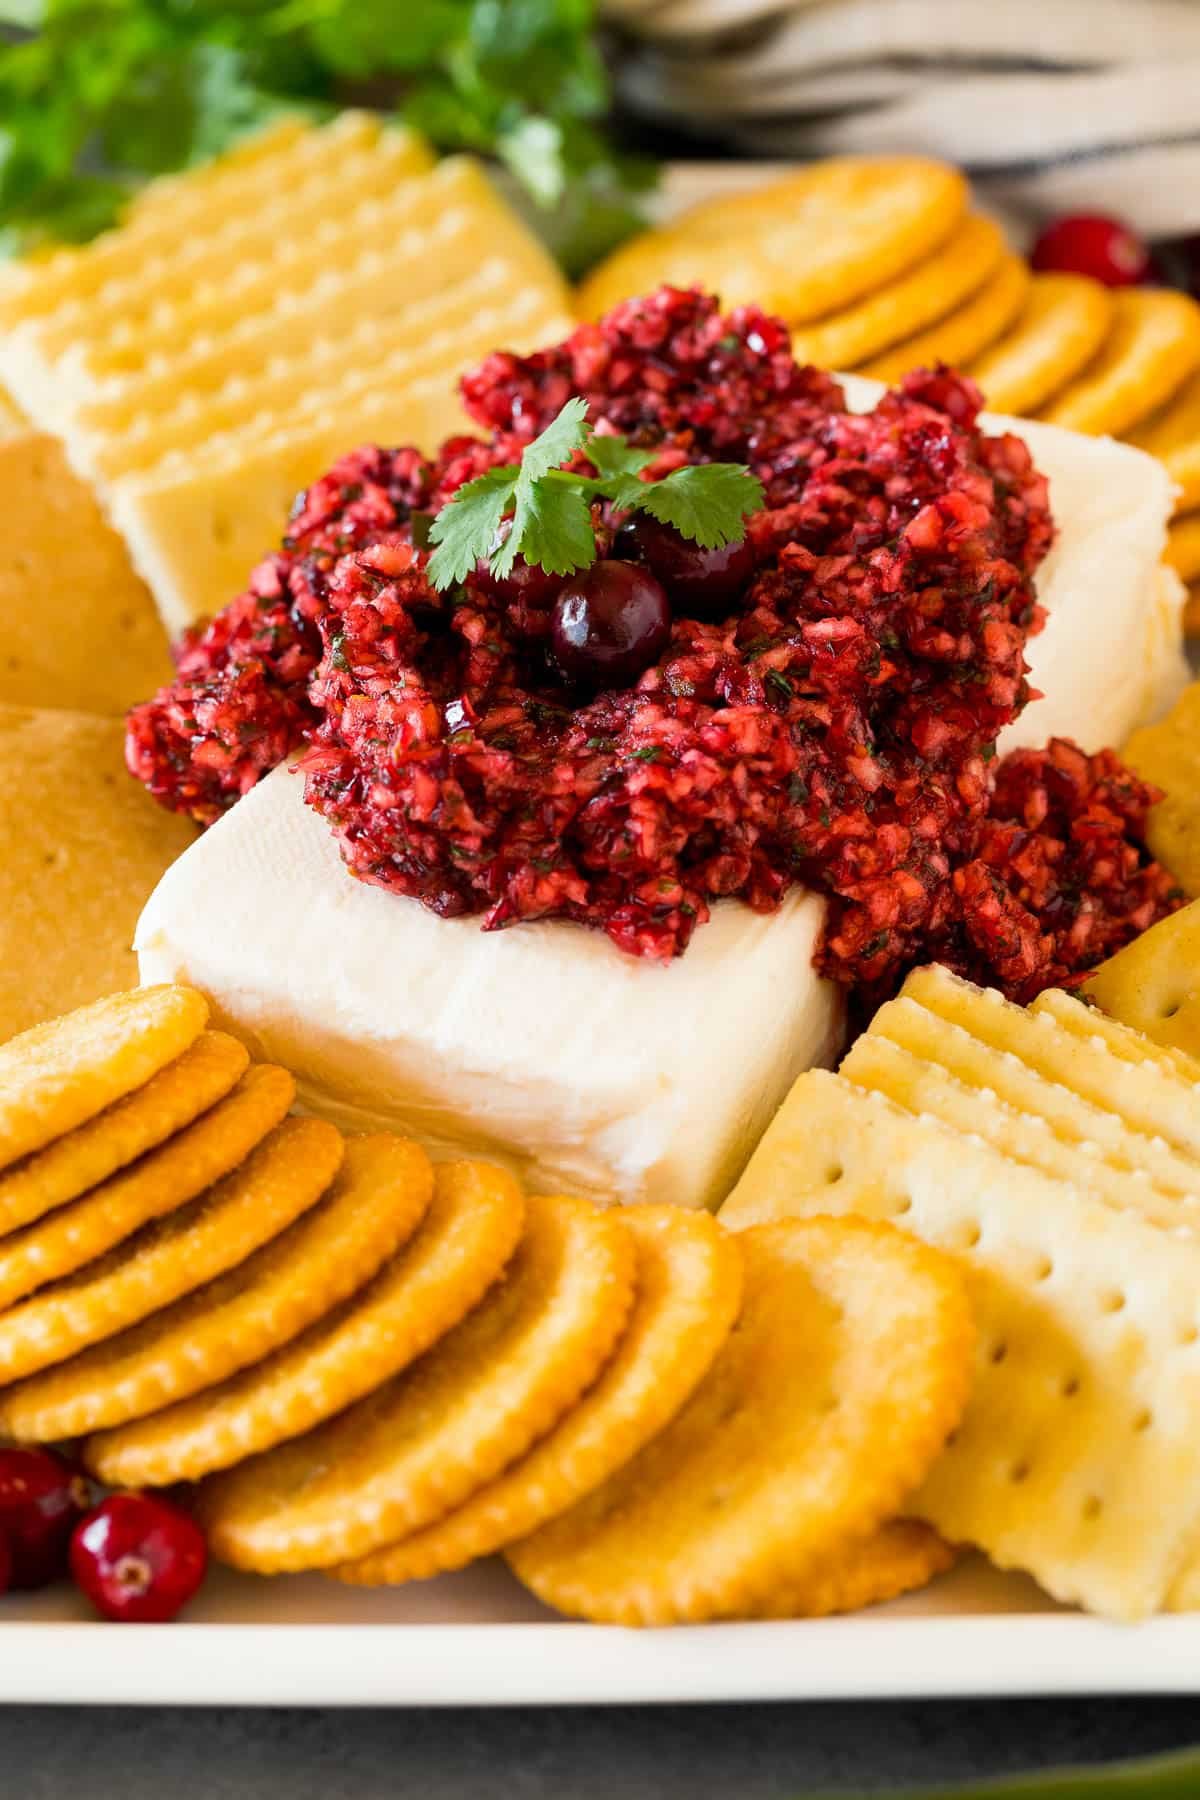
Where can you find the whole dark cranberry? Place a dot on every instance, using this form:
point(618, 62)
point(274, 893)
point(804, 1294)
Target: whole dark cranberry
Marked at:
point(610, 623)
point(705, 584)
point(138, 1559)
point(41, 1497)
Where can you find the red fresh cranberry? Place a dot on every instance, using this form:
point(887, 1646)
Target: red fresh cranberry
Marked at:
point(610, 623)
point(1093, 244)
point(526, 585)
point(703, 584)
point(41, 1498)
point(138, 1559)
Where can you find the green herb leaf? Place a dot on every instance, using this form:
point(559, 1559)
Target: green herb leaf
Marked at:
point(465, 529)
point(534, 513)
point(615, 455)
point(707, 503)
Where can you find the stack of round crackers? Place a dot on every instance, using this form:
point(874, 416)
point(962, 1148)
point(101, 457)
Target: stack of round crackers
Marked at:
point(879, 266)
point(385, 1370)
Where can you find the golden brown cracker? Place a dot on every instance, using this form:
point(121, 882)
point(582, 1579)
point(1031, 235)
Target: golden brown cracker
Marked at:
point(902, 307)
point(81, 847)
point(282, 1178)
point(130, 1128)
point(59, 1074)
point(686, 1296)
point(1183, 546)
point(896, 1559)
point(375, 1204)
point(1154, 345)
point(1168, 754)
point(418, 1446)
point(962, 335)
point(465, 1240)
point(80, 628)
point(1153, 984)
point(166, 1178)
point(1063, 323)
point(1173, 435)
point(801, 247)
point(846, 1371)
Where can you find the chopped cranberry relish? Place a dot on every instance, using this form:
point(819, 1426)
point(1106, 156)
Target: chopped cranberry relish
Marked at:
point(831, 723)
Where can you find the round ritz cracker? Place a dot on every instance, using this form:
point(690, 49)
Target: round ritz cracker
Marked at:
point(130, 1128)
point(1063, 323)
point(687, 1292)
point(1173, 435)
point(417, 1447)
point(168, 1177)
point(58, 1075)
point(848, 1368)
point(378, 1199)
point(282, 1177)
point(906, 305)
point(897, 1559)
point(469, 1233)
point(1154, 345)
point(802, 247)
point(963, 334)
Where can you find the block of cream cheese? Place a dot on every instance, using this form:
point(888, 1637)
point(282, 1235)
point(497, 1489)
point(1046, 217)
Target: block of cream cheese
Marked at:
point(543, 1043)
point(1111, 651)
point(588, 1070)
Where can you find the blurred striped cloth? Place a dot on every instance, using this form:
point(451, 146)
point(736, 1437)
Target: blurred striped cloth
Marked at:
point(1053, 106)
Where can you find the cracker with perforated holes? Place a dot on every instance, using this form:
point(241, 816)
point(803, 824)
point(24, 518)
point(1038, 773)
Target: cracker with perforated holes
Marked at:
point(1150, 1097)
point(687, 1291)
point(847, 1368)
point(1153, 346)
point(1168, 754)
point(129, 1128)
point(280, 1179)
point(1087, 1385)
point(989, 1069)
point(1118, 1038)
point(418, 1446)
point(1153, 984)
point(903, 306)
point(167, 1178)
point(922, 1088)
point(60, 1074)
point(459, 1250)
point(964, 333)
point(376, 1202)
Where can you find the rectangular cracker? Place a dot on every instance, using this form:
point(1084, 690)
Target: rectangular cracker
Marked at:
point(921, 1088)
point(986, 1069)
point(1148, 1098)
point(1093, 1025)
point(195, 531)
point(80, 629)
point(1079, 1457)
point(81, 847)
point(394, 352)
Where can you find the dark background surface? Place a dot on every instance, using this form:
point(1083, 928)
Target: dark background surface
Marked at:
point(653, 1753)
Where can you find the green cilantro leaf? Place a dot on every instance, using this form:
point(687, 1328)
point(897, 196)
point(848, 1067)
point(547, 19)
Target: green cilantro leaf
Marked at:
point(465, 529)
point(551, 506)
point(560, 440)
point(556, 531)
point(705, 502)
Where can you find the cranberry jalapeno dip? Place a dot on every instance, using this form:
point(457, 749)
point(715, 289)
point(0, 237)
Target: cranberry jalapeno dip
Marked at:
point(818, 703)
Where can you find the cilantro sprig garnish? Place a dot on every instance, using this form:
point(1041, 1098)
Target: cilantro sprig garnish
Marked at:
point(550, 507)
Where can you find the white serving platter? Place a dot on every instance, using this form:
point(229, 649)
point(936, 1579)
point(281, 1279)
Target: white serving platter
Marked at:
point(477, 1639)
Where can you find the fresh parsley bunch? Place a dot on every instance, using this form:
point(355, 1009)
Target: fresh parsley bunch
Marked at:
point(98, 96)
point(551, 507)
